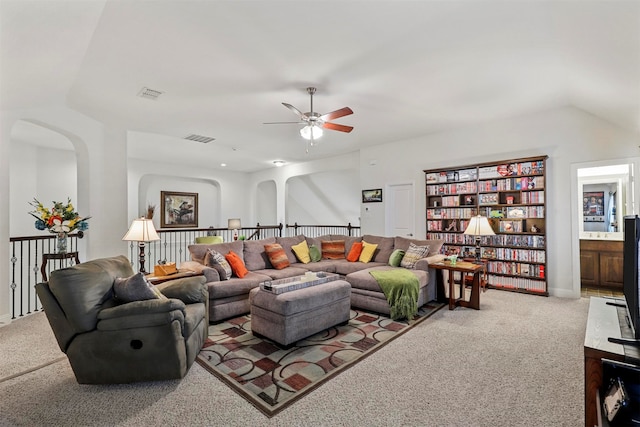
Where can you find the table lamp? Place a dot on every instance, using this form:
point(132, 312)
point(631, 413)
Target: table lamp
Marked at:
point(141, 231)
point(234, 224)
point(479, 226)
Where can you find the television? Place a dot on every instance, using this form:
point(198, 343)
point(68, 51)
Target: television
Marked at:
point(631, 277)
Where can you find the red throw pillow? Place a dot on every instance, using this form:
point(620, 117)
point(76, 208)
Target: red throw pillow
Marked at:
point(236, 264)
point(332, 249)
point(354, 253)
point(277, 256)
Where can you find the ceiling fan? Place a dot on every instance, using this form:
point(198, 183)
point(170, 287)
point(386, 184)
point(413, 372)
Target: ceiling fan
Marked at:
point(314, 122)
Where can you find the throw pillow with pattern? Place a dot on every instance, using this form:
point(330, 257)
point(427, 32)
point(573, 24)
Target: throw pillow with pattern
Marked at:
point(277, 257)
point(218, 261)
point(332, 249)
point(413, 254)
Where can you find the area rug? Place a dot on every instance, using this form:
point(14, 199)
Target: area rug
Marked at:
point(272, 377)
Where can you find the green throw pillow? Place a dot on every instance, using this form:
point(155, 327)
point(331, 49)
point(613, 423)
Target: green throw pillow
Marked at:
point(396, 257)
point(314, 253)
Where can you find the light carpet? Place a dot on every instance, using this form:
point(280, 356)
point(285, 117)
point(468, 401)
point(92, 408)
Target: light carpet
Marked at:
point(516, 362)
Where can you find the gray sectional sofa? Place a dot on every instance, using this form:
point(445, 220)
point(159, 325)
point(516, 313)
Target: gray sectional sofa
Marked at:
point(230, 298)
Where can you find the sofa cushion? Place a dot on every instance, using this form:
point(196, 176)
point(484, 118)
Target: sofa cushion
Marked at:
point(217, 261)
point(314, 253)
point(354, 252)
point(301, 250)
point(333, 249)
point(363, 280)
point(198, 252)
point(237, 265)
point(385, 247)
point(396, 257)
point(235, 287)
point(285, 273)
point(135, 288)
point(368, 249)
point(413, 254)
point(434, 244)
point(254, 255)
point(287, 244)
point(277, 257)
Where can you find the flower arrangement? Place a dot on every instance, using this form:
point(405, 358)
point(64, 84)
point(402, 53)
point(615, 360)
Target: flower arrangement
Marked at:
point(62, 218)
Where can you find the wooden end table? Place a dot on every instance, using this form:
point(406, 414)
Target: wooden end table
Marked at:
point(465, 268)
point(62, 261)
point(154, 280)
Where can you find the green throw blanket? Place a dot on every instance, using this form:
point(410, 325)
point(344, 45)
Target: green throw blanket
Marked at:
point(401, 288)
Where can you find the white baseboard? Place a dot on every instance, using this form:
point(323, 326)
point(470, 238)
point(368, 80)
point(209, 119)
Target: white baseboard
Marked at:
point(564, 293)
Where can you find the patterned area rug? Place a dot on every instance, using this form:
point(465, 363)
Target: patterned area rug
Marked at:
point(272, 377)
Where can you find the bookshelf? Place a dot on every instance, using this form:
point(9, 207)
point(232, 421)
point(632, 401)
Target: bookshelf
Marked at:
point(511, 194)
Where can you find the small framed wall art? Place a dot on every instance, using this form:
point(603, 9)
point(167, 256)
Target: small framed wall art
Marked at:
point(372, 196)
point(178, 210)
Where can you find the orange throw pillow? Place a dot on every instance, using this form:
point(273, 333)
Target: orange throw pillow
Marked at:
point(332, 249)
point(354, 253)
point(236, 264)
point(277, 256)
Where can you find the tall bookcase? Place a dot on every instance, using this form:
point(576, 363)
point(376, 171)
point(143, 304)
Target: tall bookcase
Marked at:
point(510, 193)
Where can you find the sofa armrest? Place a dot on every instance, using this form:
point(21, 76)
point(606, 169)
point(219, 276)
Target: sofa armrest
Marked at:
point(210, 273)
point(423, 263)
point(189, 290)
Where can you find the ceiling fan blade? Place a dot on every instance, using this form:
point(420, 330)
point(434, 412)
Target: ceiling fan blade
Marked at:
point(302, 115)
point(335, 126)
point(284, 123)
point(336, 114)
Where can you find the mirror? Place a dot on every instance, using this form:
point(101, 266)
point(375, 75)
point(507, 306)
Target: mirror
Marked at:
point(606, 196)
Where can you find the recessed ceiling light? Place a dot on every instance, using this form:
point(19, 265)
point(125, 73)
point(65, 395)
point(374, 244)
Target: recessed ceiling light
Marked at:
point(279, 163)
point(223, 164)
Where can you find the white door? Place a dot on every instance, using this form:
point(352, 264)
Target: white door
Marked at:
point(400, 211)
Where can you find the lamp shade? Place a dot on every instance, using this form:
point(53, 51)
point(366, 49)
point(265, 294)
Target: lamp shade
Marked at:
point(479, 226)
point(234, 224)
point(310, 130)
point(141, 230)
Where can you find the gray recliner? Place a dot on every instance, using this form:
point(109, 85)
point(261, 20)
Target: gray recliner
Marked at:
point(110, 342)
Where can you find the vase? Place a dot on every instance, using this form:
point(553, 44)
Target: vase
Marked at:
point(61, 242)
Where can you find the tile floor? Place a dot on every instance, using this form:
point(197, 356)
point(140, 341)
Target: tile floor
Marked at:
point(588, 291)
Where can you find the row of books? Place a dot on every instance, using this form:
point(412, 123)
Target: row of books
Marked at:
point(532, 197)
point(459, 188)
point(517, 283)
point(510, 254)
point(512, 169)
point(450, 225)
point(452, 213)
point(509, 184)
point(516, 268)
point(531, 241)
point(452, 176)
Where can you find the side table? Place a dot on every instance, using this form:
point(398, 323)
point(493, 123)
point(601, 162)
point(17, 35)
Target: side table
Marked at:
point(61, 257)
point(154, 280)
point(465, 268)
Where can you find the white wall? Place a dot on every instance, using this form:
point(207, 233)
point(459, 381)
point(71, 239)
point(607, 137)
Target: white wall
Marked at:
point(266, 203)
point(324, 198)
point(566, 135)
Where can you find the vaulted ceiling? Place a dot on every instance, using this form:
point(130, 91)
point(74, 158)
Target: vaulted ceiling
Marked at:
point(406, 68)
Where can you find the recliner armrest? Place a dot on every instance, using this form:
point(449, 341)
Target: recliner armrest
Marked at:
point(149, 306)
point(189, 290)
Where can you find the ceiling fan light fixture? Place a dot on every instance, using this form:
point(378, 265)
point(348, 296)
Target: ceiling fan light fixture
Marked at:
point(311, 130)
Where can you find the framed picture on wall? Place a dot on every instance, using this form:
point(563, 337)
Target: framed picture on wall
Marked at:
point(372, 196)
point(593, 206)
point(178, 210)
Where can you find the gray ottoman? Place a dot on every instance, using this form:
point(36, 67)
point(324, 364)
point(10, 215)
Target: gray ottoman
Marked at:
point(294, 315)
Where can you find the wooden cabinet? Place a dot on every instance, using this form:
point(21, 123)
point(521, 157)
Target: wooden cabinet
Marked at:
point(601, 263)
point(511, 194)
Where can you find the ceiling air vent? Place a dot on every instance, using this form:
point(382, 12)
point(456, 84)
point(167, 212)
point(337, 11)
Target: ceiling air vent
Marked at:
point(147, 93)
point(199, 138)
